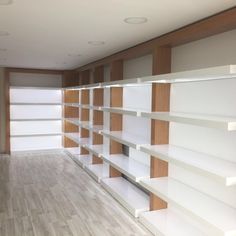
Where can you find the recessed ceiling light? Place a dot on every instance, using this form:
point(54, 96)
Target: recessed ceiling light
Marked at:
point(6, 2)
point(135, 20)
point(4, 33)
point(96, 43)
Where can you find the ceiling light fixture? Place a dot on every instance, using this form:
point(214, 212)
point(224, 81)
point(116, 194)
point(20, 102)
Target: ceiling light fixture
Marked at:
point(96, 43)
point(6, 2)
point(4, 33)
point(135, 20)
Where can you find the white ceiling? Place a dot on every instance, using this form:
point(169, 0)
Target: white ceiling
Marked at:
point(43, 32)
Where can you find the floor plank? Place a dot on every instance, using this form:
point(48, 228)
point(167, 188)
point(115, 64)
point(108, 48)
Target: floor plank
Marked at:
point(47, 194)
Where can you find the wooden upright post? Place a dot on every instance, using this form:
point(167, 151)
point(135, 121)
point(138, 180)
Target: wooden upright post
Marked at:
point(116, 100)
point(160, 129)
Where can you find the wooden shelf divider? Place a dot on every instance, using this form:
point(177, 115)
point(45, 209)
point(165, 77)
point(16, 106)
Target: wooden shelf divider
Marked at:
point(160, 129)
point(98, 97)
point(116, 100)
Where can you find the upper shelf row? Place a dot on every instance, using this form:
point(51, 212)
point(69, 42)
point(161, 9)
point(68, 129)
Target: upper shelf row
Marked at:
point(213, 73)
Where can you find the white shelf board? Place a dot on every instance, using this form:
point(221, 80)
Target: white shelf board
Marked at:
point(98, 171)
point(125, 138)
point(96, 150)
point(74, 121)
point(72, 151)
point(209, 121)
point(35, 135)
point(96, 128)
point(36, 119)
point(120, 83)
point(216, 214)
point(206, 74)
point(34, 104)
point(75, 137)
point(221, 170)
point(72, 104)
point(167, 222)
point(132, 198)
point(121, 110)
point(82, 160)
point(128, 166)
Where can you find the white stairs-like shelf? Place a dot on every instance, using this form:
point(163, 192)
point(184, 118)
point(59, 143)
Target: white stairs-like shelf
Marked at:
point(167, 222)
point(216, 168)
point(128, 166)
point(209, 121)
point(132, 198)
point(125, 138)
point(98, 171)
point(219, 216)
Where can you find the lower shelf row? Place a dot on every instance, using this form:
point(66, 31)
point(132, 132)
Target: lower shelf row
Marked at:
point(196, 214)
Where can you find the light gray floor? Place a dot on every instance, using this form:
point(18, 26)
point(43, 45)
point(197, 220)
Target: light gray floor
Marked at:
point(48, 194)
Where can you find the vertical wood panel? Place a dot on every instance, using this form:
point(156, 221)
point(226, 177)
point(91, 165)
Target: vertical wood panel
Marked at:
point(116, 100)
point(85, 96)
point(71, 96)
point(84, 77)
point(160, 129)
point(70, 78)
point(98, 97)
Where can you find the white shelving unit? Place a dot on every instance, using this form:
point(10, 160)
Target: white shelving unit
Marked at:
point(169, 223)
point(125, 138)
point(132, 198)
point(98, 171)
point(37, 124)
point(216, 122)
point(219, 169)
point(218, 215)
point(128, 166)
point(201, 180)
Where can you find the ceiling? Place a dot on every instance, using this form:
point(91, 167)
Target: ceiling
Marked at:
point(54, 34)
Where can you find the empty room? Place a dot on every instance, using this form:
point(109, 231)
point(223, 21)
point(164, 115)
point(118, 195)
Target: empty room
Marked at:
point(117, 118)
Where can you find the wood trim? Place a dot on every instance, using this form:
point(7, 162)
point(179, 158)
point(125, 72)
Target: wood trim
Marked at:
point(160, 129)
point(7, 111)
point(70, 78)
point(71, 96)
point(212, 25)
point(98, 74)
point(84, 97)
point(84, 77)
point(35, 71)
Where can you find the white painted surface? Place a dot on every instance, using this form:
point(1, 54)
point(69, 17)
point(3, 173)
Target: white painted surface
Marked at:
point(132, 198)
point(219, 169)
point(35, 143)
point(98, 171)
point(35, 127)
point(128, 166)
point(35, 112)
point(167, 222)
point(51, 53)
point(219, 216)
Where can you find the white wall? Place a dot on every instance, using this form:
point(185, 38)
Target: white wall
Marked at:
point(216, 97)
point(2, 111)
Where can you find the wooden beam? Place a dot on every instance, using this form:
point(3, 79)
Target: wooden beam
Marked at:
point(160, 129)
point(35, 71)
point(212, 25)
